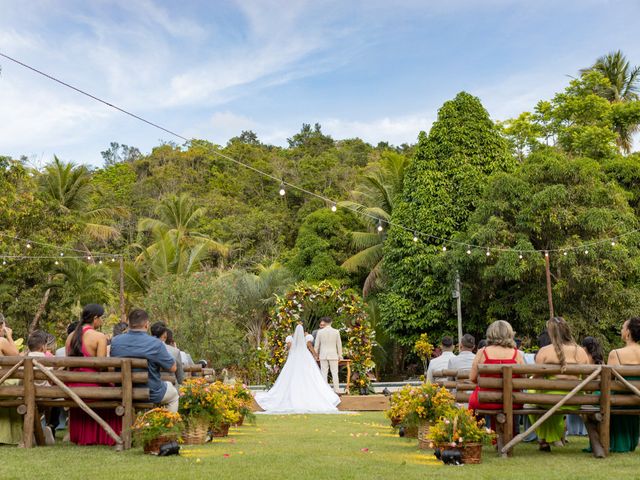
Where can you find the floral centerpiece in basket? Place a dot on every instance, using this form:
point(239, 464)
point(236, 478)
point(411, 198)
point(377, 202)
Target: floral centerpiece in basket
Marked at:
point(245, 401)
point(460, 430)
point(156, 427)
point(427, 404)
point(399, 405)
point(225, 408)
point(196, 410)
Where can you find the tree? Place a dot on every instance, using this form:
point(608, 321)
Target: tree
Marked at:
point(83, 282)
point(557, 203)
point(311, 141)
point(373, 200)
point(321, 246)
point(69, 189)
point(117, 153)
point(441, 189)
point(624, 80)
point(253, 295)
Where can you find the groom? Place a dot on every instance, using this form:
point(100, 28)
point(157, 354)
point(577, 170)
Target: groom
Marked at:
point(329, 348)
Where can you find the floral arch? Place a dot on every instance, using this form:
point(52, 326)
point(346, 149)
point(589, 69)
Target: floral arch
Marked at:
point(349, 316)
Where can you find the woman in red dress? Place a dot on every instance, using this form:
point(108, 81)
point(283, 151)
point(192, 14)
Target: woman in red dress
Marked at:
point(500, 350)
point(86, 341)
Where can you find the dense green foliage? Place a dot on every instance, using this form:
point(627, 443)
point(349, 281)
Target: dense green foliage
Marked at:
point(208, 243)
point(441, 189)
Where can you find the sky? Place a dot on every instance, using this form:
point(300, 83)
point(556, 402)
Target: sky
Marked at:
point(373, 69)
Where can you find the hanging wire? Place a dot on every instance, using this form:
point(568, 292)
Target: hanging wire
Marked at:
point(354, 207)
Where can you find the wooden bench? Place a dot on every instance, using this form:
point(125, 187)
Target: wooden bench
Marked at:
point(592, 395)
point(118, 378)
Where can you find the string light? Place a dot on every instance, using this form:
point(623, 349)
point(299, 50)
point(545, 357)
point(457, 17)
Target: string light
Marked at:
point(546, 254)
point(88, 257)
point(444, 248)
point(488, 253)
point(4, 262)
point(468, 251)
point(62, 254)
point(586, 252)
point(282, 192)
point(613, 243)
point(415, 237)
point(520, 256)
point(28, 246)
point(380, 227)
point(57, 262)
point(565, 253)
point(334, 207)
point(113, 259)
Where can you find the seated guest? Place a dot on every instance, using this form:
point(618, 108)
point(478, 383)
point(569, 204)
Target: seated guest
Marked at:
point(442, 361)
point(7, 347)
point(626, 428)
point(50, 347)
point(62, 351)
point(87, 341)
point(37, 343)
point(10, 419)
point(594, 350)
point(562, 351)
point(500, 350)
point(464, 360)
point(161, 332)
point(136, 343)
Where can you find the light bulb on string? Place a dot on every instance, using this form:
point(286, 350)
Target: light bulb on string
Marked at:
point(468, 251)
point(4, 262)
point(444, 248)
point(586, 252)
point(565, 253)
point(62, 254)
point(334, 207)
point(88, 257)
point(520, 256)
point(488, 253)
point(100, 262)
point(546, 254)
point(282, 191)
point(113, 259)
point(415, 237)
point(28, 245)
point(613, 243)
point(380, 227)
point(56, 262)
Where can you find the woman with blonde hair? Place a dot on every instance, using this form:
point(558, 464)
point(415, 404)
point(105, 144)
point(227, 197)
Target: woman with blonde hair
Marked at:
point(500, 350)
point(562, 351)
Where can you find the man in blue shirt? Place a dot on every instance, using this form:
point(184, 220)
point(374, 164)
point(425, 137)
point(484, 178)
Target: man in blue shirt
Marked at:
point(136, 343)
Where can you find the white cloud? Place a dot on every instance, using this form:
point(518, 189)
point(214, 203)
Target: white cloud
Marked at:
point(395, 130)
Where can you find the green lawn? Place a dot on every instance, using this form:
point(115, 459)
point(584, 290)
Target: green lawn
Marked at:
point(340, 447)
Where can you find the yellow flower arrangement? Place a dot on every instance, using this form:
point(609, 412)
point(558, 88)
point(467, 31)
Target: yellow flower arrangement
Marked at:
point(459, 426)
point(156, 423)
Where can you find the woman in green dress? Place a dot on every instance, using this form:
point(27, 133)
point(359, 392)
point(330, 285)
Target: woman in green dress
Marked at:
point(10, 420)
point(624, 429)
point(562, 351)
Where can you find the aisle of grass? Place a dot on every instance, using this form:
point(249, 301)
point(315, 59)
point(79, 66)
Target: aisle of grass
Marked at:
point(307, 447)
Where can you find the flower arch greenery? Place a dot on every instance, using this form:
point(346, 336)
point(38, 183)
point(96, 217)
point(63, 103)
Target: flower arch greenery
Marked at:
point(349, 316)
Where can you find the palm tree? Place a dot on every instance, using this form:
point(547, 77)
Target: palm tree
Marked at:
point(624, 83)
point(179, 216)
point(376, 194)
point(69, 188)
point(254, 294)
point(83, 282)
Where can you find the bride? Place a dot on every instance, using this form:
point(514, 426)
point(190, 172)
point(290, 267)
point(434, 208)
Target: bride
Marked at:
point(300, 387)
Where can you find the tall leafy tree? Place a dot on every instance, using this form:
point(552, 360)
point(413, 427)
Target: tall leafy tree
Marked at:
point(376, 193)
point(441, 190)
point(551, 202)
point(624, 82)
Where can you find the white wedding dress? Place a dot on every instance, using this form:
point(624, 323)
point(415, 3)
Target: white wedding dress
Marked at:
point(300, 387)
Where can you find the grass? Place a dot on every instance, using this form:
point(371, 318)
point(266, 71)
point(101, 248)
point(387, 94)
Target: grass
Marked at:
point(340, 447)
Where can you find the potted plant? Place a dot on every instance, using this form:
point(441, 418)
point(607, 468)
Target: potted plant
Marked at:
point(154, 428)
point(424, 349)
point(225, 408)
point(459, 429)
point(399, 405)
point(427, 403)
point(245, 401)
point(195, 408)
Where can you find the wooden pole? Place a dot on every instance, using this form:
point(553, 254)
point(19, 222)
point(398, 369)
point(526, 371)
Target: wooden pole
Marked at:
point(518, 438)
point(459, 309)
point(127, 403)
point(78, 401)
point(123, 314)
point(549, 291)
point(10, 372)
point(605, 409)
point(29, 402)
point(507, 402)
point(626, 382)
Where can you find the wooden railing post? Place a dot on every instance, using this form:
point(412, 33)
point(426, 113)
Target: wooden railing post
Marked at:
point(127, 403)
point(507, 402)
point(605, 408)
point(29, 402)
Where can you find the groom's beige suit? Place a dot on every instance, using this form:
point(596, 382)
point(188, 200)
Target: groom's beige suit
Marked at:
point(329, 348)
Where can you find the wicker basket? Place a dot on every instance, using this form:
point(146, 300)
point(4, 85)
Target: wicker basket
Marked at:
point(471, 453)
point(195, 432)
point(411, 431)
point(423, 435)
point(218, 431)
point(153, 447)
